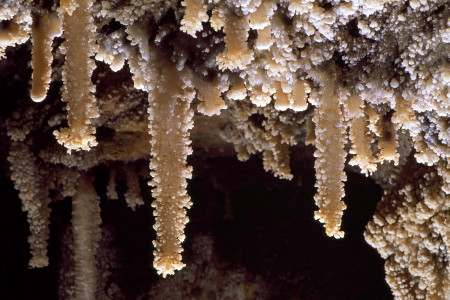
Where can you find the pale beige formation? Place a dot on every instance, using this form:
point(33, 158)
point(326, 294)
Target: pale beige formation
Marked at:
point(388, 142)
point(260, 20)
point(18, 27)
point(237, 91)
point(272, 138)
point(405, 118)
point(141, 58)
point(170, 120)
point(47, 28)
point(237, 55)
point(194, 15)
point(79, 46)
point(217, 17)
point(86, 235)
point(276, 158)
point(283, 101)
point(18, 16)
point(210, 95)
point(310, 132)
point(33, 179)
point(133, 194)
point(411, 231)
point(330, 137)
point(300, 93)
point(33, 186)
point(359, 135)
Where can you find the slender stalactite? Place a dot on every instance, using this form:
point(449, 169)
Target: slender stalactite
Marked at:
point(47, 27)
point(33, 186)
point(330, 157)
point(359, 135)
point(79, 46)
point(86, 235)
point(194, 15)
point(170, 121)
point(237, 54)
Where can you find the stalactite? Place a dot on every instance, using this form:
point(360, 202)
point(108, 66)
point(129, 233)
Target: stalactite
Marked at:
point(310, 132)
point(79, 47)
point(237, 91)
point(111, 192)
point(359, 135)
point(86, 235)
point(210, 95)
point(282, 100)
point(31, 182)
point(140, 58)
point(404, 117)
point(237, 55)
point(260, 20)
point(170, 120)
point(194, 15)
point(276, 158)
point(47, 28)
point(299, 94)
point(388, 142)
point(330, 159)
point(133, 194)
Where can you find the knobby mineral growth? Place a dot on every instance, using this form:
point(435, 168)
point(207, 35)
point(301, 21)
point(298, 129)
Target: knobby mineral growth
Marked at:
point(362, 77)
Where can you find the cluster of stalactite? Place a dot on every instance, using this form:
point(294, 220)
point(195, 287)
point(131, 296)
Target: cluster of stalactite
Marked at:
point(294, 64)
